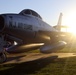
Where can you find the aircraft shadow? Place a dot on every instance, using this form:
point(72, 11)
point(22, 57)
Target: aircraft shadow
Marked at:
point(29, 67)
point(17, 58)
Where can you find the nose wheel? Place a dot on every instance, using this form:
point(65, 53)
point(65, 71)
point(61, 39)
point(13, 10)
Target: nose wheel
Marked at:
point(2, 57)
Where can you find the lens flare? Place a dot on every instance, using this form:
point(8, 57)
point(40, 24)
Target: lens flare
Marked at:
point(70, 20)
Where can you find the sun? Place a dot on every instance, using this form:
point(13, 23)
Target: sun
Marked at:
point(70, 20)
point(72, 30)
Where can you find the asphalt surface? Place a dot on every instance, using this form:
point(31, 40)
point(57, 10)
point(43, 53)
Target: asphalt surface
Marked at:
point(24, 57)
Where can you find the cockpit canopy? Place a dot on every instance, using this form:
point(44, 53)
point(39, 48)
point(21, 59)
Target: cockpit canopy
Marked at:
point(30, 12)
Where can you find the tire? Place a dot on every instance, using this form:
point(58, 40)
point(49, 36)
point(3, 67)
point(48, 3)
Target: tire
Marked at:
point(2, 57)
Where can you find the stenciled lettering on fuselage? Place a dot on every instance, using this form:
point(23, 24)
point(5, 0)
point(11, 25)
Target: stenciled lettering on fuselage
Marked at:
point(20, 25)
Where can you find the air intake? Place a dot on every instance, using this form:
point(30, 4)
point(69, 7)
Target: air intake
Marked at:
point(1, 23)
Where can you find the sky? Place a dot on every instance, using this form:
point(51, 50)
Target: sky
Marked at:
point(48, 9)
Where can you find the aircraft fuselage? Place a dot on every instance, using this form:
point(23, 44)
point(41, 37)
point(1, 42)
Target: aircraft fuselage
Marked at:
point(26, 27)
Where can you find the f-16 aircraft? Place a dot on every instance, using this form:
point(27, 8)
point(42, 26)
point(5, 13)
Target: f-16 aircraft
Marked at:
point(27, 27)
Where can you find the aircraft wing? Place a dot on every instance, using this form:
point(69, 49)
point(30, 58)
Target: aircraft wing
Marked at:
point(51, 33)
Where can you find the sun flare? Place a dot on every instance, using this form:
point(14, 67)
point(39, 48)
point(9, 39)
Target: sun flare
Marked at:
point(70, 20)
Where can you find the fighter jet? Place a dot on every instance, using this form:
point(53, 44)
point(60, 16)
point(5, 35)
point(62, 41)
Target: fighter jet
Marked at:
point(27, 27)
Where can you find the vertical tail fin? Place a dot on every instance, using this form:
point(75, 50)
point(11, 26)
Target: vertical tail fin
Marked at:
point(60, 19)
point(58, 26)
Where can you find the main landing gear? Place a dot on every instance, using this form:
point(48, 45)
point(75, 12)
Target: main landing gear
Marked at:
point(2, 57)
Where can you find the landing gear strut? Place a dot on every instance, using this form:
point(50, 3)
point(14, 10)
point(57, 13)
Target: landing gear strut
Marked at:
point(2, 57)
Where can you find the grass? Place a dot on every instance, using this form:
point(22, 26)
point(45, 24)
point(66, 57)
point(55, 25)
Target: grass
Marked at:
point(43, 66)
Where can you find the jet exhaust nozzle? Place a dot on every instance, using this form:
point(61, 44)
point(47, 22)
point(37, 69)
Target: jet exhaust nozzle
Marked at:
point(52, 48)
point(1, 23)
